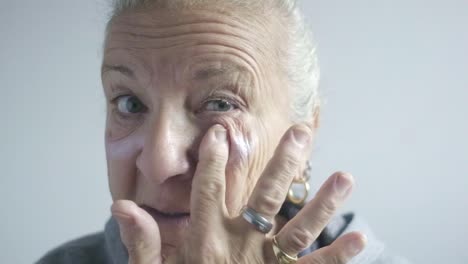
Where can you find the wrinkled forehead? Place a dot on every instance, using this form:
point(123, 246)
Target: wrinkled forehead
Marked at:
point(158, 29)
point(171, 47)
point(239, 17)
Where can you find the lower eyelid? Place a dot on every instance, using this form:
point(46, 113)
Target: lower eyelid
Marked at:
point(124, 117)
point(213, 116)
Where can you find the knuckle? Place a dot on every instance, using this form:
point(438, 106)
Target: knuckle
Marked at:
point(213, 164)
point(268, 204)
point(137, 248)
point(213, 186)
point(317, 259)
point(212, 252)
point(299, 239)
point(288, 163)
point(327, 207)
point(271, 197)
point(337, 259)
point(328, 257)
point(214, 158)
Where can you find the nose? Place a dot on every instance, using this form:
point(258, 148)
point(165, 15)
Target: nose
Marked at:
point(166, 152)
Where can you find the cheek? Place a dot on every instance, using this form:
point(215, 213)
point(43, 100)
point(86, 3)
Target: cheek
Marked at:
point(118, 128)
point(121, 156)
point(242, 144)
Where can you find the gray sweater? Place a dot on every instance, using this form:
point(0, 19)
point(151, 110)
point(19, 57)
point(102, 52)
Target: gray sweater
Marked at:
point(106, 247)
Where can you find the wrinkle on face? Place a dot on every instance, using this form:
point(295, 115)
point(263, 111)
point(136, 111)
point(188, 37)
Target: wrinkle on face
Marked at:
point(216, 72)
point(161, 31)
point(172, 63)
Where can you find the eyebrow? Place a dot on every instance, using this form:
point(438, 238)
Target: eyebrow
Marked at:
point(241, 85)
point(208, 73)
point(118, 68)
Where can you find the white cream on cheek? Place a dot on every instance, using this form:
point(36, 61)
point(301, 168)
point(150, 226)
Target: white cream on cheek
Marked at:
point(240, 148)
point(121, 155)
point(125, 148)
point(241, 154)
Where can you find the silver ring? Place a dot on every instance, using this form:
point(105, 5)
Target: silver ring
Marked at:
point(258, 221)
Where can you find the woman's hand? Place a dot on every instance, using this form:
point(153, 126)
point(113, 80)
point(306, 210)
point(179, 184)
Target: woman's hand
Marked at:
point(215, 236)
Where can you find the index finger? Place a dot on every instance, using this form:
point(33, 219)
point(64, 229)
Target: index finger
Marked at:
point(207, 201)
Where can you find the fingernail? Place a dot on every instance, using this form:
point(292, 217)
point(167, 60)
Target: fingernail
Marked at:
point(220, 133)
point(301, 136)
point(356, 245)
point(343, 183)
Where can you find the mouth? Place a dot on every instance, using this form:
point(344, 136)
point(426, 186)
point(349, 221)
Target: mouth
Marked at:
point(167, 219)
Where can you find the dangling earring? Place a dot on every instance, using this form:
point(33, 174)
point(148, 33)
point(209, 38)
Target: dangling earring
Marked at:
point(304, 181)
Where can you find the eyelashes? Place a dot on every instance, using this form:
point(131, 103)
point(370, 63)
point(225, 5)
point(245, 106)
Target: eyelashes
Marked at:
point(128, 105)
point(128, 111)
point(218, 104)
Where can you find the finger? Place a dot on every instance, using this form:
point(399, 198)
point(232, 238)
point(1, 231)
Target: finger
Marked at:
point(307, 225)
point(208, 187)
point(138, 231)
point(289, 157)
point(339, 252)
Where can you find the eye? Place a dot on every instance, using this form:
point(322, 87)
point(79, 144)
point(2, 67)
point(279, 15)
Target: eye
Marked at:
point(218, 105)
point(129, 104)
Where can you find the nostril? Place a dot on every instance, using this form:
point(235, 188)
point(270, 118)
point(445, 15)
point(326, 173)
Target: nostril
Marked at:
point(167, 149)
point(159, 166)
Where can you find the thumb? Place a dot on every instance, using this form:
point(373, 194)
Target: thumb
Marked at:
point(138, 231)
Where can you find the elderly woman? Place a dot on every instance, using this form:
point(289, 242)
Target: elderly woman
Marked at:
point(212, 111)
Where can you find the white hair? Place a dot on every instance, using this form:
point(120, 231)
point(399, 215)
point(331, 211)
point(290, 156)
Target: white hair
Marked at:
point(301, 60)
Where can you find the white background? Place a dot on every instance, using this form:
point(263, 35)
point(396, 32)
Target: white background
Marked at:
point(395, 81)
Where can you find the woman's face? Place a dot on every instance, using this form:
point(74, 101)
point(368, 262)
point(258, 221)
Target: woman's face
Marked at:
point(167, 78)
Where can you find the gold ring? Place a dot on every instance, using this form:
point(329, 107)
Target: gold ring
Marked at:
point(281, 256)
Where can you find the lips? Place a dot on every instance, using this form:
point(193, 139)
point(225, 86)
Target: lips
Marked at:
point(152, 210)
point(166, 219)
